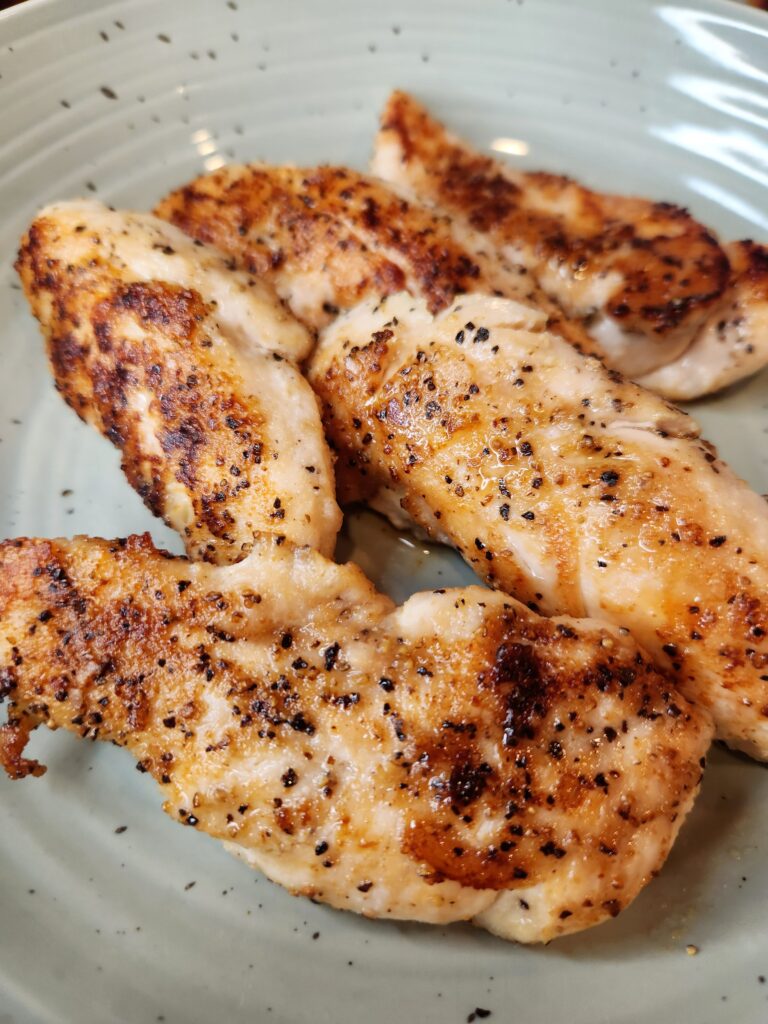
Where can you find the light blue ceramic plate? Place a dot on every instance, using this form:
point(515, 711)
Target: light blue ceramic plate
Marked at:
point(130, 97)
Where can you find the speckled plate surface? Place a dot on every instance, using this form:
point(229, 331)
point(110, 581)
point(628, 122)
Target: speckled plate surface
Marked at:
point(108, 911)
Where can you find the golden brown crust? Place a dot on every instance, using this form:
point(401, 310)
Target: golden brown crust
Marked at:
point(144, 362)
point(749, 263)
point(561, 484)
point(672, 269)
point(732, 344)
point(360, 238)
point(486, 745)
point(307, 219)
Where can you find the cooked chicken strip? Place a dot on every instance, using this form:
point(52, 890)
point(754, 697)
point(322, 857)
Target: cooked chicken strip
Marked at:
point(643, 277)
point(561, 483)
point(328, 237)
point(182, 364)
point(456, 758)
point(733, 343)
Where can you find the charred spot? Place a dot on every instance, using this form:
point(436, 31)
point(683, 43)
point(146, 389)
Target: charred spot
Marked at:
point(187, 437)
point(135, 702)
point(468, 781)
point(8, 682)
point(516, 666)
point(162, 305)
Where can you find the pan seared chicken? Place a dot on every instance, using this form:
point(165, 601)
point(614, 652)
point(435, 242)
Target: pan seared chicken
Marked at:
point(184, 365)
point(458, 758)
point(560, 483)
point(652, 286)
point(733, 342)
point(328, 237)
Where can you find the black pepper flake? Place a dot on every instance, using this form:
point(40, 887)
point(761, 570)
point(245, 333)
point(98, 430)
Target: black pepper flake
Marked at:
point(289, 778)
point(365, 886)
point(183, 585)
point(670, 649)
point(482, 334)
point(299, 724)
point(610, 477)
point(550, 849)
point(717, 542)
point(386, 684)
point(321, 848)
point(286, 641)
point(120, 829)
point(525, 448)
point(504, 512)
point(530, 516)
point(346, 700)
point(330, 654)
point(109, 93)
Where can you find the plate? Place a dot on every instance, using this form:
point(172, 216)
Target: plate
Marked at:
point(108, 911)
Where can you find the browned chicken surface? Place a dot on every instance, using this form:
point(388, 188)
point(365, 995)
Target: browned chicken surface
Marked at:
point(328, 237)
point(458, 758)
point(733, 342)
point(648, 282)
point(560, 482)
point(183, 364)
